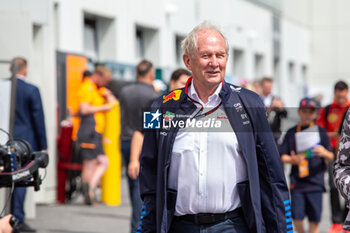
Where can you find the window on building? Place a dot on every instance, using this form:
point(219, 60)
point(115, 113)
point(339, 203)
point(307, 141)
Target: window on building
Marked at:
point(276, 68)
point(291, 72)
point(37, 52)
point(90, 37)
point(99, 38)
point(259, 66)
point(304, 76)
point(238, 63)
point(179, 52)
point(304, 73)
point(56, 24)
point(140, 48)
point(147, 44)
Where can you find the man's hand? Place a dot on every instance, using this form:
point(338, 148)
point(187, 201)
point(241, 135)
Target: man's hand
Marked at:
point(277, 104)
point(5, 226)
point(134, 169)
point(136, 146)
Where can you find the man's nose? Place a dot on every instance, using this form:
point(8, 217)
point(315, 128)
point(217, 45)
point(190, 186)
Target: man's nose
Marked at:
point(213, 61)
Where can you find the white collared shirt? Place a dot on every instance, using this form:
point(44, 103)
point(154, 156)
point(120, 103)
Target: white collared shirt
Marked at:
point(206, 166)
point(267, 100)
point(21, 77)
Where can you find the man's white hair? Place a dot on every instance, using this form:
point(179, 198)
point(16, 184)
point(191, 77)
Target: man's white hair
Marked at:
point(189, 44)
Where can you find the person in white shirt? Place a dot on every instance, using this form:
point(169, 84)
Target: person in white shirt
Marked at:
point(274, 107)
point(224, 177)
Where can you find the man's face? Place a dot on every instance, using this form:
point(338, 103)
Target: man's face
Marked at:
point(180, 83)
point(153, 74)
point(266, 88)
point(208, 63)
point(341, 97)
point(104, 80)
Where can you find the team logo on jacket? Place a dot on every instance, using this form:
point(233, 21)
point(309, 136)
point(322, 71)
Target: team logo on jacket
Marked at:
point(175, 95)
point(151, 120)
point(236, 89)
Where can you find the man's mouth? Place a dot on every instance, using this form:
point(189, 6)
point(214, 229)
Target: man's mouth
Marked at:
point(213, 72)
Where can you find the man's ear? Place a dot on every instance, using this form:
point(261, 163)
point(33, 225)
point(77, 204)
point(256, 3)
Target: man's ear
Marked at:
point(187, 61)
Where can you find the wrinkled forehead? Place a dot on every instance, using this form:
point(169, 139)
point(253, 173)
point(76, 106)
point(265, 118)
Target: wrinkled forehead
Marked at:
point(210, 33)
point(210, 37)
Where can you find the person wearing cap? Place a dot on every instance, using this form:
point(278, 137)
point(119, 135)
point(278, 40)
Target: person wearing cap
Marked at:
point(307, 147)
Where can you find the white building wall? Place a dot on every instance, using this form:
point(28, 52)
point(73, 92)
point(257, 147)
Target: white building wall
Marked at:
point(330, 47)
point(248, 28)
point(295, 49)
point(36, 45)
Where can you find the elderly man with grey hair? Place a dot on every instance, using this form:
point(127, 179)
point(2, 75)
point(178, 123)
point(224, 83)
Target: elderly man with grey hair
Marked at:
point(209, 162)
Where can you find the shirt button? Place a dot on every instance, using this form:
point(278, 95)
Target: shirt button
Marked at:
point(201, 173)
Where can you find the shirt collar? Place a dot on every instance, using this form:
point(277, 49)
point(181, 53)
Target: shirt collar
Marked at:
point(214, 99)
point(20, 76)
point(335, 105)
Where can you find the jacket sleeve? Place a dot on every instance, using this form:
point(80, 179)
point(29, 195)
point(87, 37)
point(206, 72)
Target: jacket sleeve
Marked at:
point(275, 201)
point(341, 165)
point(37, 118)
point(148, 181)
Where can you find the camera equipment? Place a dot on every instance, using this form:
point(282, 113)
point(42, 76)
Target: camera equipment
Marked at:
point(15, 224)
point(19, 166)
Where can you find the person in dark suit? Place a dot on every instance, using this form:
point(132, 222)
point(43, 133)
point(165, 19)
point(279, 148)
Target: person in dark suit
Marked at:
point(30, 126)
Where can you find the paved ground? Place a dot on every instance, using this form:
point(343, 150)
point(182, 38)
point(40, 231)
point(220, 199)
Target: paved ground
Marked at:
point(78, 218)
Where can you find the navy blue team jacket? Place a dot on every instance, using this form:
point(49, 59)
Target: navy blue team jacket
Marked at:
point(264, 197)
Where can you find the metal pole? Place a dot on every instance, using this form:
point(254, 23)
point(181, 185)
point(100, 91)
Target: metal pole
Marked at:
point(13, 96)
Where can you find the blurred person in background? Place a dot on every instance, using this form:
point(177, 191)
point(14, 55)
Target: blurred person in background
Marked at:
point(274, 107)
point(179, 78)
point(341, 166)
point(30, 126)
point(308, 166)
point(257, 87)
point(331, 117)
point(134, 99)
point(94, 100)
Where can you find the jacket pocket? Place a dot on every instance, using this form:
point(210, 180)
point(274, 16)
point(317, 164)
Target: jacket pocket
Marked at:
point(248, 210)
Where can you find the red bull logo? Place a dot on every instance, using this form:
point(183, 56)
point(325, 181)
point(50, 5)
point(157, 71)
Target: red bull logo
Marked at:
point(175, 95)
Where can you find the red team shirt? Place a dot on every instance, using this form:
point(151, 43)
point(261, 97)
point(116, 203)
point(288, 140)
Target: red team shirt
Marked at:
point(335, 117)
